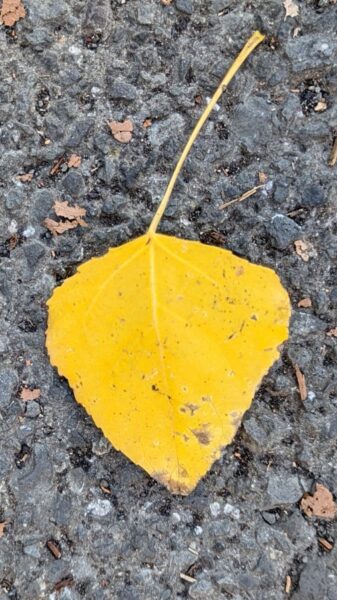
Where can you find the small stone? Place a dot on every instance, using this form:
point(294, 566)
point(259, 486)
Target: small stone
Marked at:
point(201, 589)
point(32, 550)
point(215, 509)
point(33, 410)
point(269, 517)
point(42, 201)
point(34, 252)
point(76, 480)
point(184, 6)
point(74, 184)
point(303, 323)
point(313, 195)
point(78, 132)
point(145, 15)
point(283, 489)
point(313, 581)
point(255, 431)
point(99, 508)
point(175, 517)
point(8, 384)
point(14, 199)
point(229, 509)
point(29, 231)
point(120, 90)
point(101, 446)
point(98, 17)
point(283, 231)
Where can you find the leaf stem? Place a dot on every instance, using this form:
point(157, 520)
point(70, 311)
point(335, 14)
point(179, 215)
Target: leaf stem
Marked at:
point(255, 39)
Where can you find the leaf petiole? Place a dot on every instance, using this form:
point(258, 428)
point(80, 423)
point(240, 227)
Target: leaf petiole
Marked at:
point(255, 39)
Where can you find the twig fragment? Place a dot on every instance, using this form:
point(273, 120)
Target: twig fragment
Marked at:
point(333, 154)
point(302, 386)
point(242, 197)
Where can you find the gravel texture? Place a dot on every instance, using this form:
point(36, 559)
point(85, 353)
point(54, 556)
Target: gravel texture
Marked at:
point(81, 520)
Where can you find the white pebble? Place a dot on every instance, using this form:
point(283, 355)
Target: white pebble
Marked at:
point(215, 509)
point(13, 226)
point(176, 518)
point(99, 508)
point(29, 231)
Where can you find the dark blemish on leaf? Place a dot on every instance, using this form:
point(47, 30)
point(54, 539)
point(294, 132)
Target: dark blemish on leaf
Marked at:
point(155, 388)
point(253, 318)
point(235, 419)
point(192, 408)
point(205, 398)
point(202, 436)
point(175, 487)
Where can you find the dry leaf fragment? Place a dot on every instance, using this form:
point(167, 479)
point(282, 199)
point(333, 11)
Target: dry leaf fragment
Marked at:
point(291, 8)
point(121, 130)
point(332, 332)
point(166, 2)
point(187, 578)
point(304, 303)
point(59, 227)
point(63, 583)
point(72, 216)
point(333, 154)
point(305, 250)
point(63, 209)
point(11, 11)
point(287, 587)
point(150, 337)
point(2, 528)
point(54, 548)
point(147, 123)
point(325, 544)
point(262, 177)
point(26, 177)
point(57, 165)
point(320, 504)
point(244, 196)
point(321, 106)
point(302, 386)
point(74, 161)
point(27, 394)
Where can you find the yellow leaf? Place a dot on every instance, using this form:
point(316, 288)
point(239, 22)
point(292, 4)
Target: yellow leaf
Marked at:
point(164, 342)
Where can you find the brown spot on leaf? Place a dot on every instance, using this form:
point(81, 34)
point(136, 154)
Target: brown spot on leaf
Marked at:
point(192, 408)
point(236, 419)
point(202, 436)
point(175, 487)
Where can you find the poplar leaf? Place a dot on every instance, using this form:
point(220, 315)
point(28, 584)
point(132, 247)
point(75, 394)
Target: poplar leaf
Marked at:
point(165, 341)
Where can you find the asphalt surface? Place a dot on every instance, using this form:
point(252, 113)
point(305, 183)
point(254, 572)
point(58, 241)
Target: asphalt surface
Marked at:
point(81, 521)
